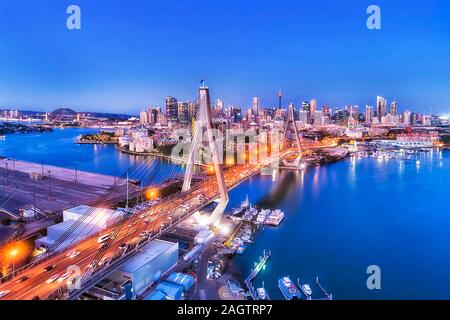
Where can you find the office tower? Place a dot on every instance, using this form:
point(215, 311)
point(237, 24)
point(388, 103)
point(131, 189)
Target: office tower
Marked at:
point(369, 115)
point(193, 109)
point(304, 117)
point(393, 108)
point(143, 118)
point(317, 118)
point(161, 117)
point(326, 110)
point(342, 116)
point(325, 120)
point(255, 106)
point(313, 107)
point(355, 111)
point(414, 118)
point(171, 109)
point(381, 107)
point(152, 116)
point(407, 118)
point(220, 105)
point(183, 112)
point(291, 112)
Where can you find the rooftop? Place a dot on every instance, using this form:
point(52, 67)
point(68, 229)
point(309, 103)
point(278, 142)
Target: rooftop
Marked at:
point(149, 252)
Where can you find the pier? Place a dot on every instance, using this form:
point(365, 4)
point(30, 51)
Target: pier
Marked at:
point(328, 296)
point(256, 270)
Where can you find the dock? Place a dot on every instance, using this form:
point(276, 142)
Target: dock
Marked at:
point(328, 296)
point(256, 270)
point(324, 295)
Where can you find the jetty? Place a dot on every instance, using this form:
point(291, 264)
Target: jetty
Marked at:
point(255, 271)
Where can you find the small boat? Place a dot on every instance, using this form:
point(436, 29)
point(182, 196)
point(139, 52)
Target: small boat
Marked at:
point(275, 218)
point(262, 294)
point(262, 216)
point(244, 206)
point(241, 249)
point(289, 289)
point(306, 288)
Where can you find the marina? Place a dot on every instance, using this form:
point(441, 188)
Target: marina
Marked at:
point(315, 212)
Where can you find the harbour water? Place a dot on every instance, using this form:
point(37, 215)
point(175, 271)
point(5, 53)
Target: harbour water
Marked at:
point(58, 148)
point(340, 218)
point(344, 217)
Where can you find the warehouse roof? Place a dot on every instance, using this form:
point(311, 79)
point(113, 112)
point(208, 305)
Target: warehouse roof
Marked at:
point(149, 252)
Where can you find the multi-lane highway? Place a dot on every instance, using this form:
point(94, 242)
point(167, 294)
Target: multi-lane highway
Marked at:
point(45, 278)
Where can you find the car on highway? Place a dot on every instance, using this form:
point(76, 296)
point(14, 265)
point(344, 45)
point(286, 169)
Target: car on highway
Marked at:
point(73, 254)
point(64, 277)
point(50, 268)
point(23, 279)
point(123, 246)
point(4, 293)
point(52, 279)
point(104, 238)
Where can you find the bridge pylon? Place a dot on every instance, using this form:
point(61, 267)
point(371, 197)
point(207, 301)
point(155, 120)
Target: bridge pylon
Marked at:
point(291, 124)
point(204, 123)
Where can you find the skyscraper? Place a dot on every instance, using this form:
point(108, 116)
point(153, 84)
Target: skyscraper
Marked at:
point(393, 108)
point(144, 118)
point(381, 107)
point(313, 107)
point(291, 112)
point(171, 109)
point(255, 106)
point(193, 109)
point(369, 115)
point(326, 110)
point(303, 117)
point(183, 112)
point(407, 118)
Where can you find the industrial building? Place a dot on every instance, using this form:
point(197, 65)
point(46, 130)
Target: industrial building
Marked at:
point(144, 269)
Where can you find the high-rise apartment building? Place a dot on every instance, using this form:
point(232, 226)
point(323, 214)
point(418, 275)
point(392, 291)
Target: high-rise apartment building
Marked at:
point(171, 109)
point(393, 108)
point(381, 107)
point(369, 115)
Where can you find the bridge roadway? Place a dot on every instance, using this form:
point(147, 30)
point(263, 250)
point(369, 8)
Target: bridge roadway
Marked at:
point(37, 285)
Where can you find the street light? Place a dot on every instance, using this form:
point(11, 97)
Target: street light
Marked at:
point(13, 253)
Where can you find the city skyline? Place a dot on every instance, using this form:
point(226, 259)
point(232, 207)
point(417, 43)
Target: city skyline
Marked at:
point(119, 61)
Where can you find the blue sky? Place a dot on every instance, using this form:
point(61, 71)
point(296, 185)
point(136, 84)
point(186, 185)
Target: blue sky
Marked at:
point(131, 54)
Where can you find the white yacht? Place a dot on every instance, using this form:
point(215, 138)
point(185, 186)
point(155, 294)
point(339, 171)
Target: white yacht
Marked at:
point(275, 218)
point(262, 216)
